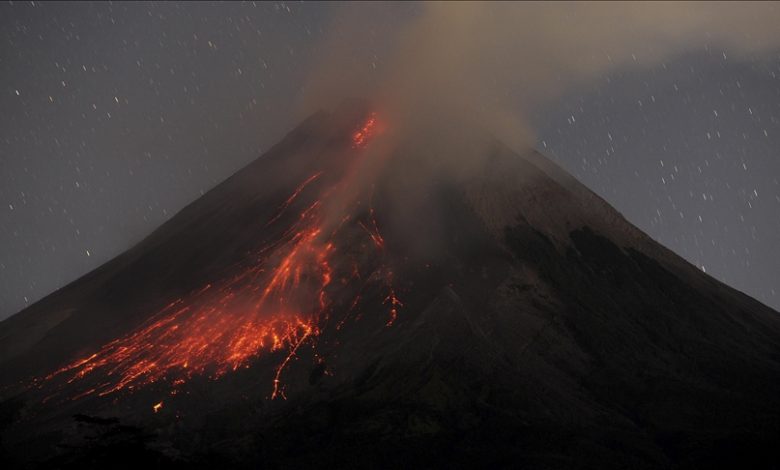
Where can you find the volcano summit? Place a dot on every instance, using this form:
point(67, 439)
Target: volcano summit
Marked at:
point(362, 297)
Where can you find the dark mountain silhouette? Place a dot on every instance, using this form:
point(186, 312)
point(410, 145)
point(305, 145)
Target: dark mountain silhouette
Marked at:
point(364, 298)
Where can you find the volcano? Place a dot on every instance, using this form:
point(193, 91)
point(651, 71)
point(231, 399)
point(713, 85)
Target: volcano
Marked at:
point(364, 297)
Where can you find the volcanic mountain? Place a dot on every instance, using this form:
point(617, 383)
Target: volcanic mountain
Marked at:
point(364, 297)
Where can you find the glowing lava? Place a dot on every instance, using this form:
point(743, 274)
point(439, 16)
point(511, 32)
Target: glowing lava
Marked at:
point(361, 136)
point(276, 304)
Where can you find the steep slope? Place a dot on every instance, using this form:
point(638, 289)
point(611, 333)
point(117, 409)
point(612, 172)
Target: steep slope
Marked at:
point(364, 298)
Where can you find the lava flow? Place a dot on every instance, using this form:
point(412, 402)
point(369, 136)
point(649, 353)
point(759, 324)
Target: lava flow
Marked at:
point(360, 137)
point(275, 304)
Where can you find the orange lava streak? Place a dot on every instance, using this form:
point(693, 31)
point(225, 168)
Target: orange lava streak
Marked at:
point(290, 199)
point(376, 237)
point(379, 241)
point(307, 332)
point(392, 299)
point(360, 138)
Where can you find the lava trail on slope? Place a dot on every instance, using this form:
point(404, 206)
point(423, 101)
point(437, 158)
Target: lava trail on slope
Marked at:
point(278, 300)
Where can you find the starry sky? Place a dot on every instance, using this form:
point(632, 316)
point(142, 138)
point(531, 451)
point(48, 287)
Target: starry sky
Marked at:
point(115, 116)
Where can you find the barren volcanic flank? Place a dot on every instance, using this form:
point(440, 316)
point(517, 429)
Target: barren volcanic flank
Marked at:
point(358, 296)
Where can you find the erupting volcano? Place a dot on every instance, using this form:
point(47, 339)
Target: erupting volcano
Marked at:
point(276, 301)
point(395, 296)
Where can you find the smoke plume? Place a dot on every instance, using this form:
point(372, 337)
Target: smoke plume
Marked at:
point(496, 62)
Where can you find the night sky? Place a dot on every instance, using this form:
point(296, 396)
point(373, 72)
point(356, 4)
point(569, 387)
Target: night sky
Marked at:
point(115, 116)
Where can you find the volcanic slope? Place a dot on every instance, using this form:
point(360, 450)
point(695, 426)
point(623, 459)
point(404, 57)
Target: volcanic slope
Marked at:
point(360, 296)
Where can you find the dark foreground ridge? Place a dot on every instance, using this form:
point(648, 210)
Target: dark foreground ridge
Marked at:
point(346, 300)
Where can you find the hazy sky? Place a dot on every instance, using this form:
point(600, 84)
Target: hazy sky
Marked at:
point(117, 115)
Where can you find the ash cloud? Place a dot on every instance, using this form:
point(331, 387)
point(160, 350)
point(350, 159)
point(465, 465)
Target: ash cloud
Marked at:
point(497, 62)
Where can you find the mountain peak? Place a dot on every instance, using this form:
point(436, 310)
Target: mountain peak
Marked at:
point(416, 289)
